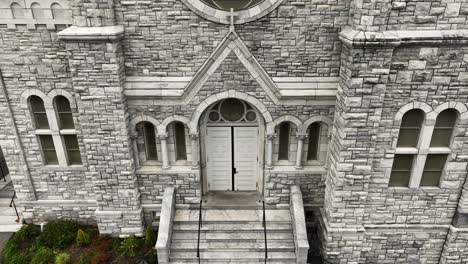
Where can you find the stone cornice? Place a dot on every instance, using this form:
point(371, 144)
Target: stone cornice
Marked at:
point(355, 38)
point(109, 33)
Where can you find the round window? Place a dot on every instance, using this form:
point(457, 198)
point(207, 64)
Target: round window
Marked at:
point(244, 10)
point(213, 116)
point(250, 116)
point(232, 109)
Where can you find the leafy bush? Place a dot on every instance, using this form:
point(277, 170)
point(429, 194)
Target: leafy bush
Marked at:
point(62, 258)
point(152, 257)
point(43, 256)
point(26, 233)
point(58, 234)
point(9, 251)
point(82, 260)
point(19, 258)
point(97, 251)
point(150, 237)
point(129, 246)
point(82, 238)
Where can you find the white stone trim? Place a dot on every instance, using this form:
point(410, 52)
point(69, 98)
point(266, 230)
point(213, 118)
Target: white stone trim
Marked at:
point(254, 102)
point(162, 128)
point(303, 128)
point(231, 43)
point(286, 118)
point(142, 118)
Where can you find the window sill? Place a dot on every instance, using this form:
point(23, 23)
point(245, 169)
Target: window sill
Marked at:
point(416, 191)
point(64, 168)
point(306, 169)
point(152, 169)
point(406, 151)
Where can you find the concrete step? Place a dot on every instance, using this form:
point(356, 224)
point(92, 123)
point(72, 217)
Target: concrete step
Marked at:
point(273, 246)
point(7, 219)
point(5, 202)
point(10, 228)
point(232, 216)
point(7, 211)
point(227, 227)
point(237, 256)
point(240, 235)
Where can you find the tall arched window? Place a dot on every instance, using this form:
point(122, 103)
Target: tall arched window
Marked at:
point(37, 11)
point(422, 163)
point(39, 112)
point(64, 112)
point(410, 128)
point(150, 142)
point(408, 137)
point(17, 10)
point(317, 143)
point(284, 134)
point(314, 141)
point(443, 129)
point(57, 11)
point(179, 141)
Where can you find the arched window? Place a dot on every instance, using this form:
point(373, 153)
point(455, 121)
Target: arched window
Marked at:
point(38, 112)
point(179, 141)
point(284, 134)
point(17, 10)
point(150, 141)
point(37, 11)
point(410, 128)
point(444, 128)
point(314, 141)
point(64, 112)
point(57, 11)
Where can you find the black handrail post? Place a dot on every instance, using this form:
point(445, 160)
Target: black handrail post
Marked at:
point(12, 202)
point(199, 228)
point(264, 232)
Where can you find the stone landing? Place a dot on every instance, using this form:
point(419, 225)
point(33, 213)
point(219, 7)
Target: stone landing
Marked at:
point(7, 214)
point(232, 236)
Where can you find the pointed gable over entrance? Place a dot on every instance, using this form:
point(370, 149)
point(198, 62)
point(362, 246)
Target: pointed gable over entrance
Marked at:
point(231, 43)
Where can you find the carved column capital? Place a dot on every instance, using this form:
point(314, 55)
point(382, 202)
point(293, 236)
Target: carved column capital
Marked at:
point(163, 136)
point(271, 136)
point(302, 136)
point(193, 136)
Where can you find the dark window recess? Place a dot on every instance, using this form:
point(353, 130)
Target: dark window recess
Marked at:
point(39, 112)
point(48, 149)
point(181, 149)
point(401, 170)
point(73, 150)
point(433, 169)
point(284, 129)
point(150, 142)
point(64, 112)
point(410, 128)
point(314, 141)
point(443, 129)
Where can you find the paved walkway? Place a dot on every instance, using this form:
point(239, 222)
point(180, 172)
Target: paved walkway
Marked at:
point(3, 239)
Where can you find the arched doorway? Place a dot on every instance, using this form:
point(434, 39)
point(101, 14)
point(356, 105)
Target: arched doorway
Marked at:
point(232, 136)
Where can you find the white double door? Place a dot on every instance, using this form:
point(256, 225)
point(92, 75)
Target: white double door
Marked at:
point(232, 158)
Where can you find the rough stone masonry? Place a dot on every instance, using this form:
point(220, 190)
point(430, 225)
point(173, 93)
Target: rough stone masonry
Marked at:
point(355, 66)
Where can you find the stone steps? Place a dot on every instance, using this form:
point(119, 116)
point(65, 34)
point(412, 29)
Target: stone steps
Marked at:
point(232, 236)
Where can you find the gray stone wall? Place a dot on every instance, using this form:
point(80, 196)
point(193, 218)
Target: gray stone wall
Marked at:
point(167, 39)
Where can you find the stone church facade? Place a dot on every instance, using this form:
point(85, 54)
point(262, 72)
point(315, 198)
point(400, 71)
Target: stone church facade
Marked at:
point(362, 104)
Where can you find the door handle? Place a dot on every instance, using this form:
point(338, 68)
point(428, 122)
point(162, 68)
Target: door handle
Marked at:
point(234, 170)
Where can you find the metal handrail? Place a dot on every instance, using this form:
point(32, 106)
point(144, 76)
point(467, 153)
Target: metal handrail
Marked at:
point(264, 232)
point(199, 228)
point(3, 174)
point(12, 202)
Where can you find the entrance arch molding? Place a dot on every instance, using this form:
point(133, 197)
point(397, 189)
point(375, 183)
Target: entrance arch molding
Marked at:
point(260, 107)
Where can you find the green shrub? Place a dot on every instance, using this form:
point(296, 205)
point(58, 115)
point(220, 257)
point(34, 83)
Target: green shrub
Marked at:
point(116, 242)
point(62, 258)
point(82, 238)
point(150, 237)
point(152, 257)
point(58, 234)
point(26, 233)
point(129, 246)
point(20, 258)
point(9, 251)
point(43, 255)
point(82, 260)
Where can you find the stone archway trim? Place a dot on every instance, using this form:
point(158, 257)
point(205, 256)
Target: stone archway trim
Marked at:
point(193, 126)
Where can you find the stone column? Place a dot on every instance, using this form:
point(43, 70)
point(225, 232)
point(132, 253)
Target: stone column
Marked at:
point(104, 122)
point(134, 139)
point(164, 151)
point(300, 148)
point(269, 154)
point(195, 151)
